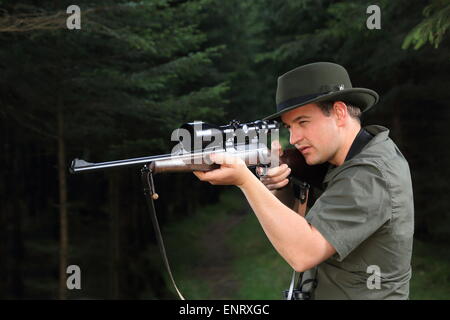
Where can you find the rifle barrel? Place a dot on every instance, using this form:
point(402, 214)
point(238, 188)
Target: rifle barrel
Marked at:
point(79, 165)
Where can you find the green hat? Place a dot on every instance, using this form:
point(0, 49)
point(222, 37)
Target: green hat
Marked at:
point(320, 81)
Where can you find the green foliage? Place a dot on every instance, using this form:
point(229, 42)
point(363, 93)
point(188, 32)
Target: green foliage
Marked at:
point(128, 64)
point(237, 262)
point(432, 29)
point(430, 267)
point(261, 271)
point(134, 72)
point(186, 242)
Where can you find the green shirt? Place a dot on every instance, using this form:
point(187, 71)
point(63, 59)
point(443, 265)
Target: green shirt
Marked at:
point(367, 214)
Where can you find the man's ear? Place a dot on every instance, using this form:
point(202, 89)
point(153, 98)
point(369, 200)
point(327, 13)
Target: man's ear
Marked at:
point(340, 111)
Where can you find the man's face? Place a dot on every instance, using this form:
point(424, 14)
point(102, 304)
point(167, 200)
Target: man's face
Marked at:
point(313, 133)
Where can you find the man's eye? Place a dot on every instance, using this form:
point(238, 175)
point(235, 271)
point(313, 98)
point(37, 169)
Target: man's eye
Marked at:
point(302, 122)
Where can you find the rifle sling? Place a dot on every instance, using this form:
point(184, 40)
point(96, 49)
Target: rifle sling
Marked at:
point(150, 195)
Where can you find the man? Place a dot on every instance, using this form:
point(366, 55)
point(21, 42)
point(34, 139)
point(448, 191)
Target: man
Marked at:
point(357, 237)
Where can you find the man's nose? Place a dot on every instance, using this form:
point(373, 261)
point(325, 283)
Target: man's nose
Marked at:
point(295, 136)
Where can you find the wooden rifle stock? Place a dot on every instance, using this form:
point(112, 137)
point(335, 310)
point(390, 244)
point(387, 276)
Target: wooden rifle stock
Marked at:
point(313, 175)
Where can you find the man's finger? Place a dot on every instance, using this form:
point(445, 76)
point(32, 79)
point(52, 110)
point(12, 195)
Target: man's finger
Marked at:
point(278, 178)
point(223, 158)
point(199, 174)
point(275, 171)
point(278, 185)
point(271, 172)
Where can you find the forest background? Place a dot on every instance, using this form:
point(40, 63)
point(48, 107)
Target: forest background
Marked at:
point(135, 71)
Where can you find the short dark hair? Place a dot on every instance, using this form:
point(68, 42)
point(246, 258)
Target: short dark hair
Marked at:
point(353, 111)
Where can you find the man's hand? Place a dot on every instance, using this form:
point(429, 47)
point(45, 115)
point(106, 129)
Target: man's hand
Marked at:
point(276, 177)
point(232, 171)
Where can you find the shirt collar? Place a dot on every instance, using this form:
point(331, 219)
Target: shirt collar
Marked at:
point(362, 138)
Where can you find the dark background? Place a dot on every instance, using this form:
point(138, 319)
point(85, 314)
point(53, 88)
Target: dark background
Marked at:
point(137, 70)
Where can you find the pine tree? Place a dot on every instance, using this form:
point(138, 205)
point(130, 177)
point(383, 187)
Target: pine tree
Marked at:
point(114, 89)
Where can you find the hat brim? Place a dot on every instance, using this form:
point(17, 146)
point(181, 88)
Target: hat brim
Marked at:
point(359, 97)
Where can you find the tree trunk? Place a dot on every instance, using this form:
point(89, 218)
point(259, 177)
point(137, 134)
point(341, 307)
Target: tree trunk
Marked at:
point(63, 223)
point(12, 208)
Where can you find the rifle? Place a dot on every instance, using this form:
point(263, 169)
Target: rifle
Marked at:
point(248, 141)
point(197, 141)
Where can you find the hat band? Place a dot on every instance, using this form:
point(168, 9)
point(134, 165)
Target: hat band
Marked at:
point(298, 100)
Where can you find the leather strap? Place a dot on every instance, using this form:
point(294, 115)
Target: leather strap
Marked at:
point(150, 195)
point(303, 201)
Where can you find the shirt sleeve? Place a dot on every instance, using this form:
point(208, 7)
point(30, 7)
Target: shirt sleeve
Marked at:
point(355, 204)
